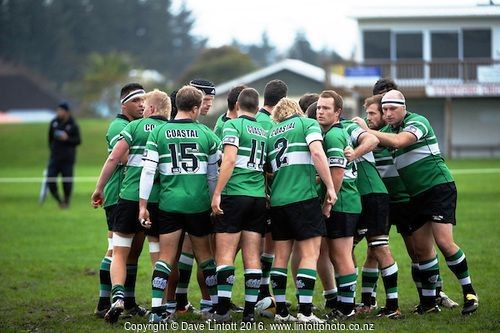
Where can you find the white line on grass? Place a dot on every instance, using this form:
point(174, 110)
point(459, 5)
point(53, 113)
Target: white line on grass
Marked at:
point(40, 179)
point(474, 171)
point(94, 179)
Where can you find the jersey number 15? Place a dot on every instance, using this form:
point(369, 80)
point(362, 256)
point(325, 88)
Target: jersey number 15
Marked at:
point(188, 160)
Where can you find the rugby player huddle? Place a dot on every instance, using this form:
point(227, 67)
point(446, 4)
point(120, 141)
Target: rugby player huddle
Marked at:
point(291, 181)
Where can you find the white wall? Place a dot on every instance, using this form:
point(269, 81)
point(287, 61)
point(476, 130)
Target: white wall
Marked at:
point(495, 50)
point(476, 121)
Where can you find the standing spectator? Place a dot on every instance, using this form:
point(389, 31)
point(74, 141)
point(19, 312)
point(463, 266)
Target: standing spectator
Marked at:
point(64, 136)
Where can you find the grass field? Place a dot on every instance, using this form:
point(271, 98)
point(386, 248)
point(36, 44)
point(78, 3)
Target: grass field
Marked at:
point(49, 258)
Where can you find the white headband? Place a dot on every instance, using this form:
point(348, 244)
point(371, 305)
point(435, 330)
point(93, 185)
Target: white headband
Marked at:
point(132, 94)
point(393, 102)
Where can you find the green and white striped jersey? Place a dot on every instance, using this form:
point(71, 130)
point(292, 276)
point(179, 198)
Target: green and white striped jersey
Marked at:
point(250, 138)
point(387, 170)
point(183, 150)
point(219, 125)
point(114, 184)
point(335, 141)
point(368, 180)
point(420, 164)
point(289, 156)
point(136, 134)
point(263, 117)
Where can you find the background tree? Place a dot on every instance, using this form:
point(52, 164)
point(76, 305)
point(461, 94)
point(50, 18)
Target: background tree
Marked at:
point(262, 54)
point(54, 38)
point(101, 84)
point(301, 49)
point(184, 48)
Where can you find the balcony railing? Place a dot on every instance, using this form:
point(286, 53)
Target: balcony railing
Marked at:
point(439, 69)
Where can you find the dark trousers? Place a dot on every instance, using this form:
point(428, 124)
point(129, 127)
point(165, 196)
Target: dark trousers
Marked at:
point(65, 169)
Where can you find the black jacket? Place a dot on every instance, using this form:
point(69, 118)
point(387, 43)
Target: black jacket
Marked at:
point(64, 150)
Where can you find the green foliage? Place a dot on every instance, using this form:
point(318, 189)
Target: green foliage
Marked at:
point(102, 81)
point(218, 65)
point(54, 38)
point(49, 262)
point(301, 49)
point(185, 48)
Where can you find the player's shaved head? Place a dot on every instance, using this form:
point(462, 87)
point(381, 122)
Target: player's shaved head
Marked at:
point(393, 94)
point(393, 107)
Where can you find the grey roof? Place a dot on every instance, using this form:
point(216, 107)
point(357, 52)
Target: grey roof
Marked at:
point(377, 13)
point(19, 92)
point(299, 67)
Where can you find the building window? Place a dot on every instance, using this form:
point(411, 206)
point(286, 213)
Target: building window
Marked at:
point(409, 53)
point(476, 51)
point(409, 46)
point(377, 44)
point(444, 52)
point(444, 45)
point(477, 43)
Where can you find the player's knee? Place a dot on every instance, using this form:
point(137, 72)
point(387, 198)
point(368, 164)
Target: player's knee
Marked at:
point(371, 254)
point(340, 258)
point(447, 247)
point(424, 251)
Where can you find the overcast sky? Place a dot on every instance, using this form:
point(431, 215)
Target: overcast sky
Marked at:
point(221, 21)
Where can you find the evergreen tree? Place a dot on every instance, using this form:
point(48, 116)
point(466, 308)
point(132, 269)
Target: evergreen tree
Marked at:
point(302, 50)
point(54, 38)
point(263, 54)
point(184, 48)
point(218, 65)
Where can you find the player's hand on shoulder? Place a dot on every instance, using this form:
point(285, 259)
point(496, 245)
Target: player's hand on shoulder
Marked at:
point(361, 122)
point(349, 153)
